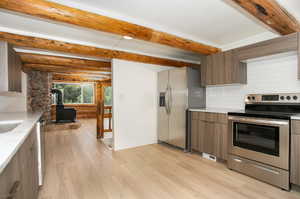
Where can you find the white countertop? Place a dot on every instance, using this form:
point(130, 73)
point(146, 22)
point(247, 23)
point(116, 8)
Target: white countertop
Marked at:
point(10, 142)
point(214, 110)
point(296, 117)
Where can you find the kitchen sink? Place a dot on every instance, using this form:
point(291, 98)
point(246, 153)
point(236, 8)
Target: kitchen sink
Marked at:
point(7, 126)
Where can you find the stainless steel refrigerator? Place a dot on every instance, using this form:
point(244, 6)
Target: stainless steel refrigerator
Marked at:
point(178, 90)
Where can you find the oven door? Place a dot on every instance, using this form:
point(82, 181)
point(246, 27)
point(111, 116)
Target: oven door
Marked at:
point(259, 139)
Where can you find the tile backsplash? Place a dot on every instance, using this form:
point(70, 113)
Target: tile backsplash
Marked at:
point(276, 74)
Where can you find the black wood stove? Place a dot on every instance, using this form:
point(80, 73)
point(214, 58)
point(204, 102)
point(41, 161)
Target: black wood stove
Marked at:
point(63, 115)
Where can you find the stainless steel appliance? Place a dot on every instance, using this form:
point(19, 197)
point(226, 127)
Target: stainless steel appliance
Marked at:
point(259, 137)
point(40, 130)
point(178, 90)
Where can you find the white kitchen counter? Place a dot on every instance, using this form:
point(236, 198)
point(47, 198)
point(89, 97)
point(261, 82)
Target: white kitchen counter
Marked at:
point(296, 117)
point(10, 142)
point(215, 110)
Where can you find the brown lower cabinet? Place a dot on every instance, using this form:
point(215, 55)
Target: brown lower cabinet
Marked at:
point(19, 180)
point(295, 152)
point(209, 133)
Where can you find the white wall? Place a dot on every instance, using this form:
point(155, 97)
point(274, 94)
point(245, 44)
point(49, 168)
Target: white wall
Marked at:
point(270, 75)
point(15, 102)
point(134, 103)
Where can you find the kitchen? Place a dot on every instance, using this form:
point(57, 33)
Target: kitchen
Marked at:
point(212, 119)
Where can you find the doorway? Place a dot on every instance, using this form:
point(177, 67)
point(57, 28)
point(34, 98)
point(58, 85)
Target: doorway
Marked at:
point(104, 130)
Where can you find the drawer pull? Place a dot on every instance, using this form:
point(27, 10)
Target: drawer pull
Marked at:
point(237, 160)
point(14, 190)
point(267, 169)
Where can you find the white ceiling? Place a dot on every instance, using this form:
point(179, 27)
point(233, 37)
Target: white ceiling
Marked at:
point(213, 22)
point(30, 26)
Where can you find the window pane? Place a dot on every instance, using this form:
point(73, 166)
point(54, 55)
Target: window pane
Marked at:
point(76, 93)
point(71, 94)
point(88, 94)
point(108, 96)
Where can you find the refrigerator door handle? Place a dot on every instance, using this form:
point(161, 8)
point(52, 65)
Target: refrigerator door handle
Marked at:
point(170, 99)
point(167, 100)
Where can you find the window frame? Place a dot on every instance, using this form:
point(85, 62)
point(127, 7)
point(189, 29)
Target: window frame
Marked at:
point(81, 84)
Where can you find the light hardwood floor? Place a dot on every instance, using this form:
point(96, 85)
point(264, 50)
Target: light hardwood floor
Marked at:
point(80, 167)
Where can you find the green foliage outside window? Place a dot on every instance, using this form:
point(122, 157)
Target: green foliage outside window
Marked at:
point(76, 93)
point(108, 96)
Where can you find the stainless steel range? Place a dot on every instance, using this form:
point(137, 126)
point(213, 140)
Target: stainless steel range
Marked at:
point(259, 137)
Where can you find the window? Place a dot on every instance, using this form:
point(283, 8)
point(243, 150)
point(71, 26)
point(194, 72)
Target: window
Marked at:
point(76, 93)
point(108, 96)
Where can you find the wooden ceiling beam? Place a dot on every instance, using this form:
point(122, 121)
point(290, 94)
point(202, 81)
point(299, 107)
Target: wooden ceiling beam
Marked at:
point(36, 61)
point(72, 78)
point(63, 69)
point(60, 46)
point(29, 58)
point(57, 12)
point(272, 14)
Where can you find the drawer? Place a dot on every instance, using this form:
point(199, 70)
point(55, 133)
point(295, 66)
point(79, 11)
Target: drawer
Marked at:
point(268, 174)
point(195, 115)
point(202, 116)
point(211, 117)
point(222, 118)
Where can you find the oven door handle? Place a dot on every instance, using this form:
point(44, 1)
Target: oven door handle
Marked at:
point(258, 121)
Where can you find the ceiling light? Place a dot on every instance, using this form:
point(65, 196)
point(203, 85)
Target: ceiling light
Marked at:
point(127, 37)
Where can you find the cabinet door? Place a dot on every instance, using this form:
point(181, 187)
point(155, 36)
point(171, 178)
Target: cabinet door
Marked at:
point(209, 80)
point(218, 68)
point(29, 167)
point(295, 159)
point(229, 68)
point(295, 152)
point(194, 137)
point(278, 45)
point(14, 70)
point(10, 180)
point(220, 143)
point(201, 133)
point(209, 138)
point(203, 68)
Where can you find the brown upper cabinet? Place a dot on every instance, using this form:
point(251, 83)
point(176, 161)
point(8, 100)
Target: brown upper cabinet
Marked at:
point(278, 45)
point(230, 67)
point(222, 68)
point(10, 69)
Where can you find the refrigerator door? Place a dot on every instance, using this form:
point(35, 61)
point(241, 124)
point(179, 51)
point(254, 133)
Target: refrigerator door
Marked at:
point(163, 116)
point(178, 106)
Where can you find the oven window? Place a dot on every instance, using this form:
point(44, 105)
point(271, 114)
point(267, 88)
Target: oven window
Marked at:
point(264, 139)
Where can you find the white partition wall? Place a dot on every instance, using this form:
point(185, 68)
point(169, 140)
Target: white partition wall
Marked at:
point(134, 103)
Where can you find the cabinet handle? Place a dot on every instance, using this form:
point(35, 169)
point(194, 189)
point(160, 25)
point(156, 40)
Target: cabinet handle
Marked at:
point(14, 190)
point(237, 160)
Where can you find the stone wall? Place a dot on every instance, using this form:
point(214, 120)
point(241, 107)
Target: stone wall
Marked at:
point(39, 85)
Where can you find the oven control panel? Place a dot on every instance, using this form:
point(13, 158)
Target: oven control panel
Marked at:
point(289, 98)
